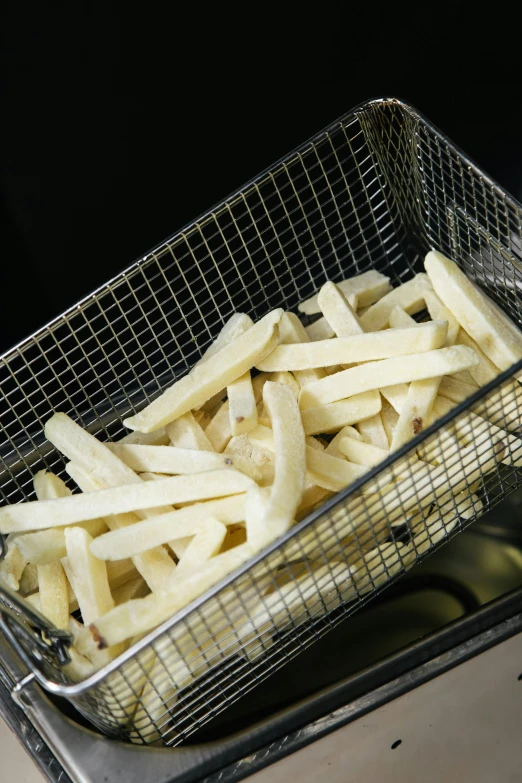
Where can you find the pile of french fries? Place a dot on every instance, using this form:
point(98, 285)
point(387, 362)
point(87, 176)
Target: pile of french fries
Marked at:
point(275, 418)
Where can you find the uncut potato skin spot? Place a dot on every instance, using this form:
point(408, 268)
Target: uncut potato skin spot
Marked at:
point(417, 425)
point(239, 419)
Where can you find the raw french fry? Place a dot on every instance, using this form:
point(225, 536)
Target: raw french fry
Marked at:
point(312, 496)
point(290, 460)
point(47, 546)
point(130, 541)
point(389, 417)
point(372, 431)
point(157, 438)
point(395, 395)
point(465, 377)
point(12, 567)
point(475, 421)
point(403, 369)
point(346, 432)
point(186, 433)
point(399, 319)
point(337, 311)
point(218, 430)
point(154, 565)
point(410, 296)
point(330, 472)
point(214, 374)
point(438, 311)
point(29, 579)
point(319, 330)
point(455, 390)
point(54, 593)
point(291, 330)
point(205, 544)
point(84, 644)
point(330, 418)
point(142, 614)
point(361, 453)
point(37, 515)
point(79, 668)
point(287, 379)
point(134, 588)
point(90, 582)
point(496, 335)
point(242, 405)
point(237, 324)
point(357, 348)
point(381, 564)
point(168, 459)
point(48, 485)
point(368, 287)
point(314, 443)
point(322, 469)
point(485, 372)
point(416, 410)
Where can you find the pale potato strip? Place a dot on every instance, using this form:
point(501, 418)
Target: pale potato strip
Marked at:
point(410, 296)
point(416, 410)
point(395, 395)
point(29, 578)
point(54, 593)
point(372, 431)
point(322, 469)
point(337, 311)
point(438, 311)
point(466, 377)
point(374, 375)
point(368, 287)
point(291, 330)
point(357, 348)
point(236, 325)
point(476, 420)
point(290, 460)
point(205, 544)
point(242, 405)
point(361, 453)
point(495, 334)
point(157, 438)
point(214, 374)
point(37, 515)
point(154, 565)
point(130, 541)
point(330, 472)
point(389, 417)
point(47, 546)
point(12, 566)
point(90, 582)
point(134, 588)
point(79, 667)
point(218, 430)
point(287, 379)
point(331, 418)
point(143, 614)
point(346, 432)
point(186, 433)
point(167, 459)
point(399, 319)
point(319, 330)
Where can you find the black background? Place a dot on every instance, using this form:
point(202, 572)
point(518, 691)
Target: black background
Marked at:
point(118, 126)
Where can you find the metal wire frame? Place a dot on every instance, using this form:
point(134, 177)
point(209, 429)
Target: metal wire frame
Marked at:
point(374, 190)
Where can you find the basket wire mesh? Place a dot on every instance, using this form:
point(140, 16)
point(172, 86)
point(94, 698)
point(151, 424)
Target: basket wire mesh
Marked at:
point(376, 189)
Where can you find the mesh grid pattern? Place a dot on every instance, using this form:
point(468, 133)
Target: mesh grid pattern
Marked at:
point(375, 190)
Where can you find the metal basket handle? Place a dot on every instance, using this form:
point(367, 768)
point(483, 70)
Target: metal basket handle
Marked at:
point(28, 629)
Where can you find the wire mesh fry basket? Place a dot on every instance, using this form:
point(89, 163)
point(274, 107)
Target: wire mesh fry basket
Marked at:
point(376, 189)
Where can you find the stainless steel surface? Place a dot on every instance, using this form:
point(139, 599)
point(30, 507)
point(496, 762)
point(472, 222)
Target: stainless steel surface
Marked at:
point(376, 189)
point(462, 727)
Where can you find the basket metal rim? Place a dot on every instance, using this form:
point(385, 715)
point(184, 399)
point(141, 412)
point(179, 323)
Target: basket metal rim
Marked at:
point(78, 689)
